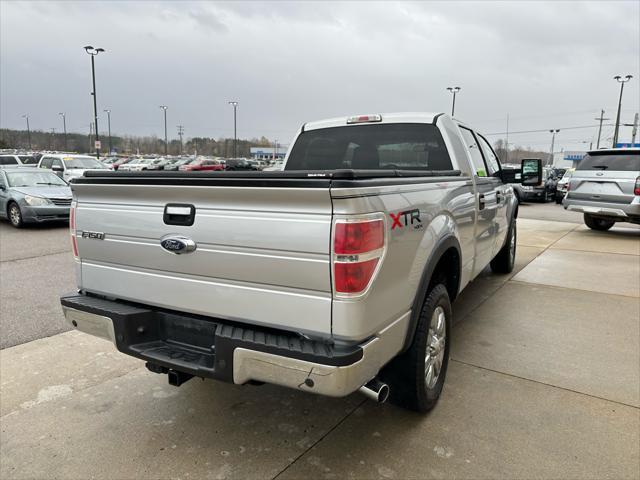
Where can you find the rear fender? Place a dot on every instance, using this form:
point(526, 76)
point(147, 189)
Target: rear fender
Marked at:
point(440, 235)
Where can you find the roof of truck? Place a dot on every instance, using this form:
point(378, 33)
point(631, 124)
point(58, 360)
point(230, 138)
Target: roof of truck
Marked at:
point(400, 117)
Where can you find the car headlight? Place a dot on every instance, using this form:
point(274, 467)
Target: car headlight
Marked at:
point(36, 201)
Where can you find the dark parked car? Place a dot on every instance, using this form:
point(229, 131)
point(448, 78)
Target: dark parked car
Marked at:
point(239, 164)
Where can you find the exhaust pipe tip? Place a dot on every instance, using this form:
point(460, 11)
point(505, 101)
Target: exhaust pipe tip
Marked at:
point(376, 390)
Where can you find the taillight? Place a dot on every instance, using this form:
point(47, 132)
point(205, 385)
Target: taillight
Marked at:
point(636, 188)
point(72, 230)
point(358, 246)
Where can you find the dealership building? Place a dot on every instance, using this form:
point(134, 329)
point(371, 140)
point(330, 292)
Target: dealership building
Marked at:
point(269, 153)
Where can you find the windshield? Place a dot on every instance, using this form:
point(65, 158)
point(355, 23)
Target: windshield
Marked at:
point(621, 162)
point(33, 179)
point(82, 162)
point(395, 146)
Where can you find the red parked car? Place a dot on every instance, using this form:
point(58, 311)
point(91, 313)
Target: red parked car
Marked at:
point(201, 164)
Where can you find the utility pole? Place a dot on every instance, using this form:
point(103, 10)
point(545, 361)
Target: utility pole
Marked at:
point(553, 139)
point(52, 144)
point(506, 143)
point(108, 112)
point(180, 133)
point(621, 81)
point(166, 146)
point(235, 131)
point(25, 116)
point(453, 90)
point(601, 119)
point(64, 126)
point(90, 135)
point(634, 131)
point(94, 52)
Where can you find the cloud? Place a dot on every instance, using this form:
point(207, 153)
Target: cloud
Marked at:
point(291, 62)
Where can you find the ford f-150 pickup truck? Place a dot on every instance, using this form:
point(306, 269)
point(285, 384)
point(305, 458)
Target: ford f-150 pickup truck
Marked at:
point(334, 275)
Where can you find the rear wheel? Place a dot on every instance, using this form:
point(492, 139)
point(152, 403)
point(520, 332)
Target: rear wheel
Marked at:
point(595, 223)
point(417, 376)
point(15, 215)
point(505, 260)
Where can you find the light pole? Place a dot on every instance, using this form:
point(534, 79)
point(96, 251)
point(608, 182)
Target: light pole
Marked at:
point(453, 90)
point(553, 139)
point(93, 52)
point(621, 81)
point(28, 130)
point(108, 112)
point(235, 131)
point(164, 108)
point(64, 129)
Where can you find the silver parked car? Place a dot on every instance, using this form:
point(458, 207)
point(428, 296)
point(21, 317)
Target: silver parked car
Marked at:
point(33, 196)
point(606, 188)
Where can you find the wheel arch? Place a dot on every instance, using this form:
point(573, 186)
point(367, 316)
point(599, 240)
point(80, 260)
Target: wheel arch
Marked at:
point(445, 261)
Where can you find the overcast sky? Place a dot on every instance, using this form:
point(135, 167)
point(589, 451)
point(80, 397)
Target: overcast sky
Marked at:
point(547, 65)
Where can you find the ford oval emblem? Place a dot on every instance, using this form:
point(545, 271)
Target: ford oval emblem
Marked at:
point(177, 244)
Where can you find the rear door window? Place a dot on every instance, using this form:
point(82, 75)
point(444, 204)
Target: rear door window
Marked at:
point(28, 159)
point(8, 160)
point(46, 162)
point(393, 146)
point(620, 162)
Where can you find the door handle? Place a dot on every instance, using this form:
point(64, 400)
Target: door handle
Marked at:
point(179, 214)
point(481, 201)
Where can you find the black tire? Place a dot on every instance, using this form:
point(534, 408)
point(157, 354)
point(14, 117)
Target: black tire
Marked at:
point(595, 223)
point(15, 215)
point(558, 200)
point(505, 260)
point(406, 375)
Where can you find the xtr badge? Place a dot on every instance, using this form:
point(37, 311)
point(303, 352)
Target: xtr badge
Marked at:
point(408, 217)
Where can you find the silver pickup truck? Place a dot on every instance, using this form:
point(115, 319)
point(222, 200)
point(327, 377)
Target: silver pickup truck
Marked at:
point(332, 276)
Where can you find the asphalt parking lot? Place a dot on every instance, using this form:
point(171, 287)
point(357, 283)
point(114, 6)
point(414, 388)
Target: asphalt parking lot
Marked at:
point(544, 382)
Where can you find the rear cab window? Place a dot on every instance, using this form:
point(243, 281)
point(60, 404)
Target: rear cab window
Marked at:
point(391, 146)
point(610, 161)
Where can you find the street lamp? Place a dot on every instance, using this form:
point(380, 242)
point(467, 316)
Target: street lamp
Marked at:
point(553, 139)
point(453, 90)
point(164, 108)
point(93, 52)
point(621, 81)
point(108, 112)
point(28, 129)
point(235, 134)
point(64, 128)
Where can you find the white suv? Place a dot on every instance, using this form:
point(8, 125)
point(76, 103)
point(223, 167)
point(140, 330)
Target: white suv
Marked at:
point(69, 166)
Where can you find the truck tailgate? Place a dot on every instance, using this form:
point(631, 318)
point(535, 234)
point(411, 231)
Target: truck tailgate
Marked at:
point(262, 254)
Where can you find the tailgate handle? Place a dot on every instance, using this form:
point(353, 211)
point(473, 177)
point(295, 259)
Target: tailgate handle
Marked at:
point(179, 214)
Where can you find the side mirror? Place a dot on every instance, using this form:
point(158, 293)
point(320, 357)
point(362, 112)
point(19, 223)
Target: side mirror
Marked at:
point(57, 168)
point(531, 169)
